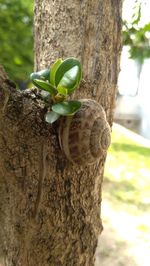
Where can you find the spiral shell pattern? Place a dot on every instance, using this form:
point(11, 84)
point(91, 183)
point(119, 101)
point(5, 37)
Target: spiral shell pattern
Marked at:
point(85, 136)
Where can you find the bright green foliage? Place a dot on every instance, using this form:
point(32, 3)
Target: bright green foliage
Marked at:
point(16, 40)
point(137, 37)
point(58, 83)
point(68, 75)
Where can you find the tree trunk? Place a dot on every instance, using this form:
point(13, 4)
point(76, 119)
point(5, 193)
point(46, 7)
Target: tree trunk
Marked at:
point(49, 213)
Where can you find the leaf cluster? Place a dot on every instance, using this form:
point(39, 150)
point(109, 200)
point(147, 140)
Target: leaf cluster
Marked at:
point(16, 38)
point(56, 84)
point(137, 37)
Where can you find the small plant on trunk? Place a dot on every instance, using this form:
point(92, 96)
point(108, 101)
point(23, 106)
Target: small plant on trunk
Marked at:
point(84, 133)
point(57, 83)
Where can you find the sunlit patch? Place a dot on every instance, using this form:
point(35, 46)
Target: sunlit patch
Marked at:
point(126, 201)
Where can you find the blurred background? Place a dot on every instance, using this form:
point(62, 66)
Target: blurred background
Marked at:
point(125, 240)
point(132, 108)
point(16, 39)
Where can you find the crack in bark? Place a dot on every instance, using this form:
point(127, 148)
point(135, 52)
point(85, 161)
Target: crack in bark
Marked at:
point(5, 101)
point(42, 174)
point(6, 145)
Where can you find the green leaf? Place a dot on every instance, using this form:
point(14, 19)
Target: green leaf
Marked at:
point(66, 108)
point(46, 96)
point(43, 85)
point(62, 91)
point(53, 71)
point(68, 74)
point(70, 80)
point(34, 75)
point(51, 117)
point(43, 74)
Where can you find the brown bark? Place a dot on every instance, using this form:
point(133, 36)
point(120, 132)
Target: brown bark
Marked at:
point(49, 213)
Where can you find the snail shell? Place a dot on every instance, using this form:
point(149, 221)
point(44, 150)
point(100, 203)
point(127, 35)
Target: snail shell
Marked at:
point(85, 136)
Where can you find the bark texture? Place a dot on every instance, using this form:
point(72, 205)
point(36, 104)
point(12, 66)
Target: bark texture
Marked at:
point(49, 212)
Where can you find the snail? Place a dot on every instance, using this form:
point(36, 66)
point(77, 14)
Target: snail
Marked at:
point(84, 133)
point(85, 136)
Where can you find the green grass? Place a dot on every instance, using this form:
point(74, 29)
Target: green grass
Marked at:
point(127, 171)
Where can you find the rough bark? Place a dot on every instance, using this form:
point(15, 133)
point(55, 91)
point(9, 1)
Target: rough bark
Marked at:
point(49, 212)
